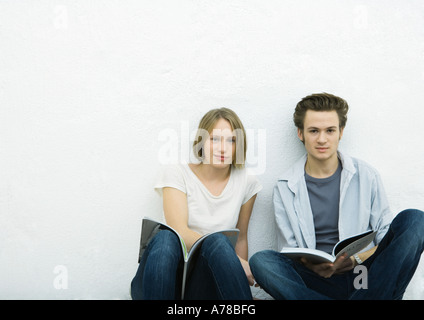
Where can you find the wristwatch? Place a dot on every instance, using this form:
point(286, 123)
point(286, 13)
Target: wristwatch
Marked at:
point(358, 260)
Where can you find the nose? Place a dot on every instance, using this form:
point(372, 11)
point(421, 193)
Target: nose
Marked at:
point(222, 145)
point(322, 138)
point(219, 146)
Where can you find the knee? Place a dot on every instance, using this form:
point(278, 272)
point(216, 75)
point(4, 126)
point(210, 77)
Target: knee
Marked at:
point(411, 218)
point(166, 237)
point(411, 223)
point(257, 261)
point(165, 245)
point(216, 243)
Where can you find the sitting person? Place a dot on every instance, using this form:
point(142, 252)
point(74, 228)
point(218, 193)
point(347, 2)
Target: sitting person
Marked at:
point(200, 198)
point(328, 196)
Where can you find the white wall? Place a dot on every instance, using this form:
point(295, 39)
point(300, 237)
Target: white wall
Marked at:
point(91, 90)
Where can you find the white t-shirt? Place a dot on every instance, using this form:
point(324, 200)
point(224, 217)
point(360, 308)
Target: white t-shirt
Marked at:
point(206, 212)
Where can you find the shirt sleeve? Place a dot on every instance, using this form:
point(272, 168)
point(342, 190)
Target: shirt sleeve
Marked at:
point(170, 176)
point(381, 215)
point(285, 233)
point(252, 187)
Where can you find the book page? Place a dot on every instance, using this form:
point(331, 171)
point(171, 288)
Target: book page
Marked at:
point(312, 255)
point(354, 244)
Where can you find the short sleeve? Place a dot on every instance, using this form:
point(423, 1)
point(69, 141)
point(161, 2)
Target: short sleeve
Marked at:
point(252, 187)
point(170, 176)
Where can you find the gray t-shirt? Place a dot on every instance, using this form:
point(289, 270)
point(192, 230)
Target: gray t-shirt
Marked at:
point(324, 196)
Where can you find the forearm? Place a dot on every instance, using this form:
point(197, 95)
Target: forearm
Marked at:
point(176, 215)
point(243, 224)
point(242, 254)
point(241, 249)
point(189, 236)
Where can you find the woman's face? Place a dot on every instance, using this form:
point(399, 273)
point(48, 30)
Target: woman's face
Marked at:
point(219, 149)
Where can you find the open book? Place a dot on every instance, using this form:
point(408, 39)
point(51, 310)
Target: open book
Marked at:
point(351, 246)
point(151, 227)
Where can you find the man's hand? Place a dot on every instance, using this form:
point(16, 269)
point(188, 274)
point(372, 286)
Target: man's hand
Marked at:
point(327, 269)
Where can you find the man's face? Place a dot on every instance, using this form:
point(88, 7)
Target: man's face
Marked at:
point(321, 134)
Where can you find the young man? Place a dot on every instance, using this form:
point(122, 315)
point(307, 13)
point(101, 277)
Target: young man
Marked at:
point(328, 196)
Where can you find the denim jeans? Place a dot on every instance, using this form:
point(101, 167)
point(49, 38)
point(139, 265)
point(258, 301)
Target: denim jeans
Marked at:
point(389, 269)
point(217, 272)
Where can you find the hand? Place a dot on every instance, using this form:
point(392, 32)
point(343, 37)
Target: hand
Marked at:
point(327, 269)
point(248, 273)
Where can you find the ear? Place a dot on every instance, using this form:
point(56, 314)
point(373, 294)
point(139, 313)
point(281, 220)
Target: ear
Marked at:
point(300, 134)
point(341, 133)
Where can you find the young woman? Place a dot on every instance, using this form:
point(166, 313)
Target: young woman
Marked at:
point(199, 198)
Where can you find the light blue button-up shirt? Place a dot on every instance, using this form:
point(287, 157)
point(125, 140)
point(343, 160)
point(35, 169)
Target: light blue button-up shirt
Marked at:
point(363, 204)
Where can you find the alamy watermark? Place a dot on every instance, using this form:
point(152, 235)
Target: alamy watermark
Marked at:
point(361, 280)
point(176, 146)
point(60, 281)
point(360, 20)
point(60, 17)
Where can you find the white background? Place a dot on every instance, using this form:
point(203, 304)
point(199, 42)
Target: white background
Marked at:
point(95, 95)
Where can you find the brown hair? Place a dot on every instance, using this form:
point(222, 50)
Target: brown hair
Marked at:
point(206, 126)
point(321, 102)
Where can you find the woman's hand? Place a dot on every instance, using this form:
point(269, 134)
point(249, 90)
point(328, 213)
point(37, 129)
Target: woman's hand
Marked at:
point(248, 272)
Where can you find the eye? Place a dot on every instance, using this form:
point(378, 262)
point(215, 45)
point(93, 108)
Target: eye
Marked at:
point(215, 139)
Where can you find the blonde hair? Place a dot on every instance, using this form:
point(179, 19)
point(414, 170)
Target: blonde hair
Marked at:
point(206, 126)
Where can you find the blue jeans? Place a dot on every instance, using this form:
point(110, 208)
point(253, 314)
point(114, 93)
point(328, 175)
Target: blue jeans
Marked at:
point(390, 268)
point(217, 271)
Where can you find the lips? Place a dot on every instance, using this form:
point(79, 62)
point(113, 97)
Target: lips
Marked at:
point(321, 149)
point(222, 158)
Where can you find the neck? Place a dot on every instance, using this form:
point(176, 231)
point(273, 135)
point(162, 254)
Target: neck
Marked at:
point(212, 173)
point(321, 168)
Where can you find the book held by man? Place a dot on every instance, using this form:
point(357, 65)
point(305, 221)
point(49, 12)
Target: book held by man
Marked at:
point(151, 227)
point(350, 246)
